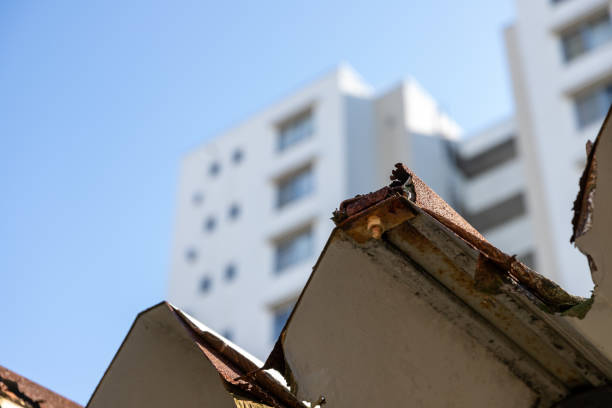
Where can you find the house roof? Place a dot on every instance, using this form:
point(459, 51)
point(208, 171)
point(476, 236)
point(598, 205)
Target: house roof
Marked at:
point(237, 368)
point(555, 342)
point(27, 394)
point(169, 358)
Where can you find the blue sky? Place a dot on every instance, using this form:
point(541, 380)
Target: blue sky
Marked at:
point(99, 100)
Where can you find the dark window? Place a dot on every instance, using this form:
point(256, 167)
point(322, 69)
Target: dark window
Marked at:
point(230, 272)
point(592, 106)
point(191, 255)
point(214, 169)
point(294, 187)
point(197, 198)
point(586, 36)
point(296, 129)
point(280, 318)
point(293, 250)
point(228, 334)
point(210, 224)
point(488, 159)
point(498, 213)
point(205, 284)
point(237, 156)
point(234, 211)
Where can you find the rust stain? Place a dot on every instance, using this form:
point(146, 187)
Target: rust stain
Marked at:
point(427, 249)
point(354, 205)
point(387, 214)
point(551, 294)
point(401, 186)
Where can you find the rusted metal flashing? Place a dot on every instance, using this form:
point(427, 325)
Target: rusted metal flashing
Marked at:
point(242, 376)
point(354, 205)
point(23, 392)
point(557, 299)
point(401, 186)
point(391, 204)
point(388, 213)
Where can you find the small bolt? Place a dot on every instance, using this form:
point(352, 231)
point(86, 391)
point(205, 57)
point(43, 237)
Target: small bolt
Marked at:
point(375, 226)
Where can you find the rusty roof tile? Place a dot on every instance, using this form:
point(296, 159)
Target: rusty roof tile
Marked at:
point(28, 394)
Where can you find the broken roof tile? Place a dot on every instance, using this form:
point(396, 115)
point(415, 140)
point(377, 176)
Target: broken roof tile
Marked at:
point(25, 393)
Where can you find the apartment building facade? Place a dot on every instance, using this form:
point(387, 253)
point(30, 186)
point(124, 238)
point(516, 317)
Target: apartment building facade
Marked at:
point(560, 57)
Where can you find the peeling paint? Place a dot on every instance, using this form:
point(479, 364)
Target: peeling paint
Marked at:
point(583, 205)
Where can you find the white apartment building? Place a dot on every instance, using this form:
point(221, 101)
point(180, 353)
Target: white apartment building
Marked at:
point(254, 204)
point(560, 55)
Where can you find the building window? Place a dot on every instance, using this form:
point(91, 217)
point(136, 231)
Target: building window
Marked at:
point(293, 250)
point(486, 160)
point(191, 255)
point(230, 272)
point(197, 198)
point(281, 315)
point(499, 213)
point(586, 36)
point(234, 211)
point(228, 334)
point(214, 169)
point(209, 224)
point(296, 129)
point(592, 106)
point(295, 186)
point(205, 284)
point(237, 156)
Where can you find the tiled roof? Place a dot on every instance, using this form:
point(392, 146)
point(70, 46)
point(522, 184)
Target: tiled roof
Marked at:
point(25, 393)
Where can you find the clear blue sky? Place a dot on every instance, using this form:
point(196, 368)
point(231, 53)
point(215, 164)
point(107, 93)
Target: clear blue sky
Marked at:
point(99, 100)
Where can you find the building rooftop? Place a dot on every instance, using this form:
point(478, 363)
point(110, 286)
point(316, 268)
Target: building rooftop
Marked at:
point(17, 391)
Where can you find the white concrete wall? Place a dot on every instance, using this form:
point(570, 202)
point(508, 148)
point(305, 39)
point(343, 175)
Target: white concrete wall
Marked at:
point(405, 116)
point(493, 186)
